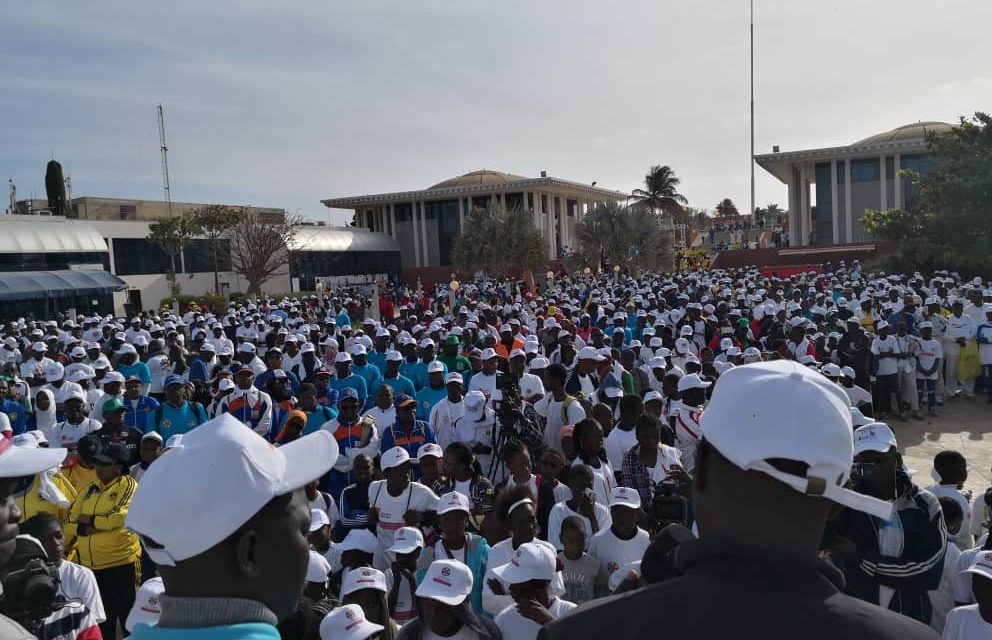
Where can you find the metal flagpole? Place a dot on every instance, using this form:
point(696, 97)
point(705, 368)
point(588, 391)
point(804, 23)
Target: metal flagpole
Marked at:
point(752, 107)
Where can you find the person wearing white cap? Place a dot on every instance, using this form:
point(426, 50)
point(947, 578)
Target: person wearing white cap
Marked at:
point(401, 579)
point(33, 368)
point(623, 542)
point(529, 573)
point(245, 540)
point(582, 380)
point(486, 380)
point(894, 561)
point(395, 501)
point(366, 588)
point(688, 415)
point(448, 410)
point(858, 396)
point(961, 331)
point(348, 622)
point(558, 408)
point(16, 463)
point(446, 607)
point(76, 425)
point(927, 366)
point(885, 350)
point(57, 383)
point(433, 392)
point(475, 428)
point(146, 609)
point(974, 622)
point(768, 471)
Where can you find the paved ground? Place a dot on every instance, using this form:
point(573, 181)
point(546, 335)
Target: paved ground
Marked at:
point(964, 425)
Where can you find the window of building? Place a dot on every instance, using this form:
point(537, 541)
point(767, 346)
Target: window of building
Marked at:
point(199, 256)
point(55, 261)
point(823, 214)
point(310, 265)
point(890, 167)
point(138, 256)
point(128, 212)
point(865, 170)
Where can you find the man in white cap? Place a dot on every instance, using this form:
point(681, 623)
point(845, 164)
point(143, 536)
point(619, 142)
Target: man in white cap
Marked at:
point(348, 622)
point(974, 622)
point(444, 414)
point(768, 476)
point(692, 397)
point(17, 463)
point(886, 353)
point(529, 574)
point(891, 562)
point(225, 516)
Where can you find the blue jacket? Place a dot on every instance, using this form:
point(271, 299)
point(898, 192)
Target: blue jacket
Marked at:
point(138, 415)
point(476, 558)
point(198, 370)
point(913, 573)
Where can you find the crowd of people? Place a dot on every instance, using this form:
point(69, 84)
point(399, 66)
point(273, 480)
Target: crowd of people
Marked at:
point(497, 463)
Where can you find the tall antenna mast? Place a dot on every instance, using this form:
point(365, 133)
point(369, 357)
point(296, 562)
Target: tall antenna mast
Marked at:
point(165, 158)
point(752, 107)
point(13, 196)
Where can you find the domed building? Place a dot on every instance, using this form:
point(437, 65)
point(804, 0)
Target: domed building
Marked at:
point(426, 223)
point(849, 180)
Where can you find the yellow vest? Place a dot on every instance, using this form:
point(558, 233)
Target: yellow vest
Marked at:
point(110, 545)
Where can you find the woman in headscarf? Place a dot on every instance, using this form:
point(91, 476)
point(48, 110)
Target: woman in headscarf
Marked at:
point(292, 427)
point(44, 418)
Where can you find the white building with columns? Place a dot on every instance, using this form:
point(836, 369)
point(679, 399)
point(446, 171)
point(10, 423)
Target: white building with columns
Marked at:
point(426, 223)
point(830, 188)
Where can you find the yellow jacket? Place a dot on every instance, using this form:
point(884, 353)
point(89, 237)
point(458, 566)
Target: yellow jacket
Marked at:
point(31, 503)
point(110, 545)
point(79, 476)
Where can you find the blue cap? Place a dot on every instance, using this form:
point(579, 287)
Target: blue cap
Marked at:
point(402, 399)
point(347, 392)
point(174, 379)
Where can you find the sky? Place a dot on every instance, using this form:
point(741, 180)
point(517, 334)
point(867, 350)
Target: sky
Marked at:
point(283, 104)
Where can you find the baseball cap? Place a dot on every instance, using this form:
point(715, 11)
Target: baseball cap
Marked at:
point(54, 371)
point(435, 367)
point(113, 376)
point(447, 581)
point(126, 348)
point(531, 386)
point(318, 519)
point(112, 404)
point(652, 396)
point(153, 435)
point(748, 430)
point(847, 372)
point(982, 565)
point(402, 400)
point(453, 501)
point(406, 540)
point(317, 568)
point(692, 381)
point(589, 353)
point(874, 436)
point(28, 460)
point(39, 347)
point(342, 356)
point(539, 363)
point(531, 561)
point(113, 453)
point(146, 608)
point(488, 353)
point(859, 419)
point(363, 578)
point(393, 458)
point(454, 376)
point(358, 350)
point(625, 497)
point(348, 622)
point(475, 405)
point(430, 449)
point(230, 472)
point(358, 540)
point(175, 379)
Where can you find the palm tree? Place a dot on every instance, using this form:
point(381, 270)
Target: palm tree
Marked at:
point(499, 242)
point(726, 208)
point(660, 193)
point(630, 237)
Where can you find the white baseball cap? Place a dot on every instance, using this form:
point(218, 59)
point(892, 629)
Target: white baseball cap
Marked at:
point(652, 396)
point(363, 578)
point(692, 381)
point(982, 565)
point(394, 458)
point(454, 376)
point(230, 473)
point(539, 363)
point(358, 349)
point(874, 436)
point(531, 386)
point(347, 622)
point(590, 353)
point(318, 519)
point(394, 356)
point(447, 581)
point(859, 419)
point(146, 608)
point(488, 354)
point(475, 405)
point(54, 371)
point(625, 497)
point(531, 561)
point(436, 366)
point(657, 363)
point(848, 372)
point(453, 501)
point(830, 369)
point(358, 540)
point(343, 356)
point(317, 568)
point(430, 449)
point(27, 460)
point(406, 540)
point(813, 427)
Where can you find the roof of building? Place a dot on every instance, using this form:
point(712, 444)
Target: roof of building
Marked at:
point(914, 131)
point(27, 285)
point(484, 176)
point(43, 234)
point(313, 238)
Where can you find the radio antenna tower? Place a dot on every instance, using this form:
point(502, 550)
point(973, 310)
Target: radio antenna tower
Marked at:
point(165, 158)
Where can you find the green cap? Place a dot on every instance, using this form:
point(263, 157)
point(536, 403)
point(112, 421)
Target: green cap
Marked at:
point(454, 340)
point(113, 404)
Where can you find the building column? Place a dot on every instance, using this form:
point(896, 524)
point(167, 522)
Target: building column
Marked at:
point(461, 214)
point(897, 167)
point(415, 206)
point(804, 222)
point(423, 218)
point(392, 219)
point(885, 183)
point(848, 207)
point(563, 221)
point(834, 204)
point(551, 226)
point(538, 219)
point(793, 208)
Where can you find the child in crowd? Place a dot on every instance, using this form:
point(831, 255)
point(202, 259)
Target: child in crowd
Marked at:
point(579, 569)
point(529, 574)
point(973, 622)
point(950, 470)
point(583, 504)
point(622, 543)
point(401, 580)
point(942, 598)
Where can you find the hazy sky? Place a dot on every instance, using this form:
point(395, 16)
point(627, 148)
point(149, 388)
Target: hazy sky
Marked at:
point(284, 103)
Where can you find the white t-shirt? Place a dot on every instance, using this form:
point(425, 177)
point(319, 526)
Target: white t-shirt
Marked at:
point(443, 417)
point(550, 409)
point(886, 366)
point(942, 598)
point(966, 623)
point(416, 497)
point(561, 511)
point(79, 583)
point(614, 553)
point(857, 395)
point(617, 444)
point(668, 457)
point(963, 539)
point(499, 554)
point(514, 626)
point(962, 579)
point(930, 351)
point(159, 368)
point(67, 435)
point(404, 610)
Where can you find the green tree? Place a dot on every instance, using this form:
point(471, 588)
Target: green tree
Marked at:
point(499, 242)
point(951, 227)
point(173, 235)
point(215, 220)
point(726, 209)
point(632, 237)
point(660, 193)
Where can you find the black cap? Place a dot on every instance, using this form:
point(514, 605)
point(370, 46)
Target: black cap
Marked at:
point(88, 447)
point(113, 453)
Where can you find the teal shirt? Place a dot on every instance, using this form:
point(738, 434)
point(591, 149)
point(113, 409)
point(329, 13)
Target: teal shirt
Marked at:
point(243, 631)
point(427, 398)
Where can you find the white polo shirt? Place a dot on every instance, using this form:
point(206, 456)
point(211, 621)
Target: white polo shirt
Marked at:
point(514, 626)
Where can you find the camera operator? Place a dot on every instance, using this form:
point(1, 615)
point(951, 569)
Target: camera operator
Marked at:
point(32, 588)
point(512, 423)
point(17, 463)
point(653, 467)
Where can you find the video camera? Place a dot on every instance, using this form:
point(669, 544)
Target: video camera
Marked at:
point(31, 587)
point(508, 388)
point(668, 504)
